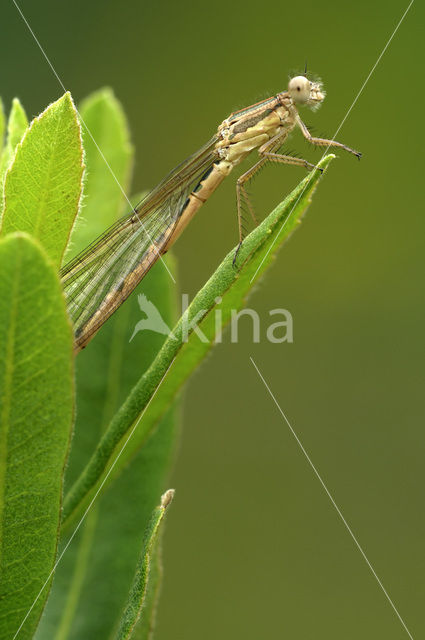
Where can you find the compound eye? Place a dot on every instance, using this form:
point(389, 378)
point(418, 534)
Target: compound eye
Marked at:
point(299, 89)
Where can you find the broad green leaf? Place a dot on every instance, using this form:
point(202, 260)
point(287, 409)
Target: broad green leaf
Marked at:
point(36, 414)
point(177, 359)
point(43, 185)
point(135, 609)
point(109, 158)
point(16, 126)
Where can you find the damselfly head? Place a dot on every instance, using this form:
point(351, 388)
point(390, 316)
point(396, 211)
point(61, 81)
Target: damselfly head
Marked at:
point(304, 91)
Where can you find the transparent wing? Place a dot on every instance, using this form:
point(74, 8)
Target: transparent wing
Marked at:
point(101, 268)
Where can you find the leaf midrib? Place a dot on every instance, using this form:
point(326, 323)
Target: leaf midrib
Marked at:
point(42, 208)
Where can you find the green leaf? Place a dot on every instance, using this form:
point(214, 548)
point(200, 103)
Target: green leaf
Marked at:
point(145, 626)
point(2, 127)
point(36, 414)
point(177, 359)
point(106, 552)
point(43, 185)
point(109, 553)
point(16, 127)
point(109, 159)
point(130, 500)
point(139, 592)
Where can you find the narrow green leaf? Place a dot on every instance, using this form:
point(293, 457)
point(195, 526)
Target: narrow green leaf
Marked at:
point(43, 185)
point(109, 159)
point(139, 590)
point(177, 359)
point(36, 413)
point(145, 626)
point(16, 126)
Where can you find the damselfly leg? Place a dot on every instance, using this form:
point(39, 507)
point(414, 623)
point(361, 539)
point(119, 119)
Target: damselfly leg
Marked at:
point(268, 154)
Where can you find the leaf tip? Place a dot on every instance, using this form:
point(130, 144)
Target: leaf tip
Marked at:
point(15, 103)
point(68, 100)
point(324, 162)
point(167, 498)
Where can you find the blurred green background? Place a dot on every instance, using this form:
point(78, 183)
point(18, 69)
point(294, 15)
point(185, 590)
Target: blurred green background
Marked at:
point(253, 546)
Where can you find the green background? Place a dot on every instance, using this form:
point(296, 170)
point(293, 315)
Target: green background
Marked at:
point(253, 546)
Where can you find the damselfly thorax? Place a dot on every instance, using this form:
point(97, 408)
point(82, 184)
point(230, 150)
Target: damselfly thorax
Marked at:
point(98, 280)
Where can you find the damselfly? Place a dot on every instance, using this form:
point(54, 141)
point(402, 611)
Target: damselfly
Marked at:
point(98, 280)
